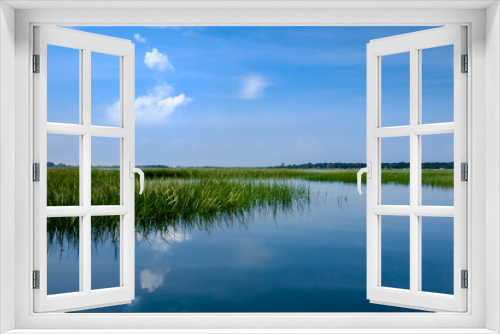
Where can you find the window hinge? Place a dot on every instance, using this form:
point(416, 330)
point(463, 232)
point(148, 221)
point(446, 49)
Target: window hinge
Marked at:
point(36, 63)
point(465, 279)
point(465, 64)
point(36, 172)
point(36, 279)
point(464, 171)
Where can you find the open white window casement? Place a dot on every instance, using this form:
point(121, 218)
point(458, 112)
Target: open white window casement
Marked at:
point(86, 297)
point(416, 297)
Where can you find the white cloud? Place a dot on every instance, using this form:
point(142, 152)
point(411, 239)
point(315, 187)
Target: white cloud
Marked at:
point(139, 38)
point(154, 107)
point(253, 87)
point(151, 280)
point(157, 106)
point(157, 60)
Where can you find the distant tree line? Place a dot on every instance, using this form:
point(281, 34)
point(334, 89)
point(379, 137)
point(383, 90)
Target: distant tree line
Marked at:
point(321, 165)
point(348, 165)
point(61, 165)
point(154, 166)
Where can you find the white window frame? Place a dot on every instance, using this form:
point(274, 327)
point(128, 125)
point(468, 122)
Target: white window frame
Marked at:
point(86, 44)
point(483, 124)
point(414, 43)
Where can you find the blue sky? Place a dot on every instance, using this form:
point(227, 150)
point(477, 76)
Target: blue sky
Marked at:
point(250, 96)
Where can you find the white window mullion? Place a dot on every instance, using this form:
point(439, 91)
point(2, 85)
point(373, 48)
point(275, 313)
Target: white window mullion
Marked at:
point(123, 191)
point(85, 253)
point(373, 249)
point(85, 167)
point(40, 156)
point(394, 131)
point(421, 129)
point(434, 129)
point(80, 127)
point(80, 130)
point(460, 154)
point(416, 127)
point(127, 240)
point(414, 172)
point(379, 251)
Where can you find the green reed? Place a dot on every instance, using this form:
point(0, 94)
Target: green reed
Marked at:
point(431, 177)
point(202, 198)
point(202, 203)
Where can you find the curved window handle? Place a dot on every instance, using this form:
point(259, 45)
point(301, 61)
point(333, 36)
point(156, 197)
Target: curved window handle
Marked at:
point(368, 171)
point(141, 175)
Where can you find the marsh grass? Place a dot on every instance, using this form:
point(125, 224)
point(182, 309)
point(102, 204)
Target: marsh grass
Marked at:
point(203, 203)
point(430, 177)
point(63, 186)
point(190, 199)
point(202, 198)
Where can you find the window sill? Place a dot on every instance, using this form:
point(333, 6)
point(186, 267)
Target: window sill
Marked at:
point(256, 331)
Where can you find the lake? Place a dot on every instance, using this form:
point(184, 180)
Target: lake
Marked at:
point(306, 260)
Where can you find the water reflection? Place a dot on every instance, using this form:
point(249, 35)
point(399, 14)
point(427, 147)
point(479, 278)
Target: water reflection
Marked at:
point(310, 259)
point(152, 279)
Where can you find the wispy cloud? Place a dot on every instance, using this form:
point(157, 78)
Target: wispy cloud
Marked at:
point(139, 39)
point(154, 107)
point(253, 87)
point(157, 60)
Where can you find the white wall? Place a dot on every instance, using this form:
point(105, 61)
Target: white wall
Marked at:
point(7, 162)
point(492, 167)
point(218, 17)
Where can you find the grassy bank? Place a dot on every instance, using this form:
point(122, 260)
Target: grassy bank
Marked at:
point(195, 200)
point(200, 198)
point(431, 177)
point(171, 202)
point(201, 185)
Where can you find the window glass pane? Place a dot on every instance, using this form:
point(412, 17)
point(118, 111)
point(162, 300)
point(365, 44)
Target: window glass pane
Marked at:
point(437, 84)
point(395, 94)
point(105, 89)
point(105, 260)
point(63, 172)
point(105, 171)
point(437, 169)
point(437, 254)
point(395, 170)
point(395, 240)
point(63, 85)
point(63, 266)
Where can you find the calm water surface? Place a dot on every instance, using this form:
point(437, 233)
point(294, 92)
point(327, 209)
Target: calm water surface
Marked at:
point(310, 260)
